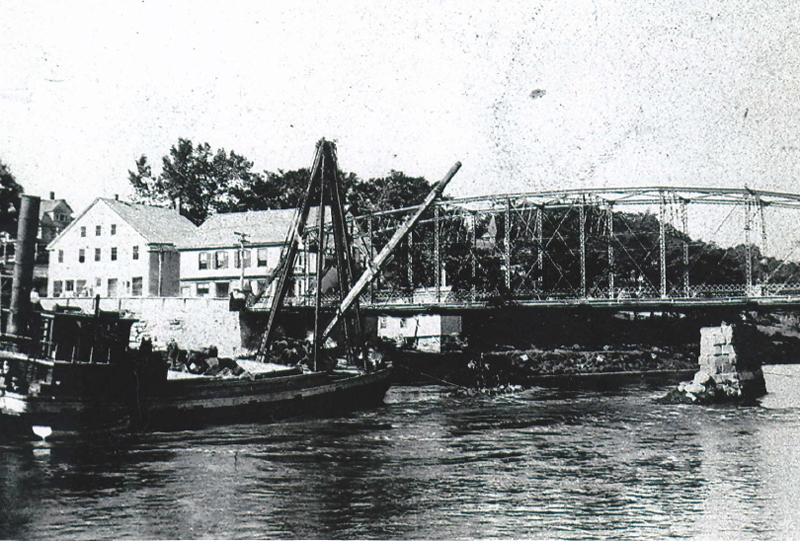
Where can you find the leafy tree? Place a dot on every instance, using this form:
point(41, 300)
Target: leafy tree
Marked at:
point(391, 192)
point(281, 190)
point(269, 191)
point(197, 180)
point(9, 200)
point(286, 189)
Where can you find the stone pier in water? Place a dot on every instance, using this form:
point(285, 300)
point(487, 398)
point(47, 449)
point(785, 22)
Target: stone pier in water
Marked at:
point(730, 367)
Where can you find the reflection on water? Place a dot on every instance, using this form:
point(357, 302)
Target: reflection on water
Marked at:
point(538, 464)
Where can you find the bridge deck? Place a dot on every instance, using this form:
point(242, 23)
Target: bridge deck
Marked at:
point(634, 305)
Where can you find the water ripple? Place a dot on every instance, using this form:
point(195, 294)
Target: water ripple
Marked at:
point(539, 464)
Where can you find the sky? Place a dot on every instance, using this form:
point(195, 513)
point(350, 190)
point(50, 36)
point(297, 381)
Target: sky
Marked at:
point(528, 95)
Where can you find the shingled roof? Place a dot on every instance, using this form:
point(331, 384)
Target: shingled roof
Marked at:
point(265, 227)
point(49, 205)
point(157, 225)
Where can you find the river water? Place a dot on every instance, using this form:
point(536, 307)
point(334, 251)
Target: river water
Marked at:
point(541, 464)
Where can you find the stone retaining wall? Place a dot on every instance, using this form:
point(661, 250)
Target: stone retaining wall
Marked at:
point(194, 323)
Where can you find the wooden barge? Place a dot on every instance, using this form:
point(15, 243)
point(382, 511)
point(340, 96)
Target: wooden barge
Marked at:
point(75, 372)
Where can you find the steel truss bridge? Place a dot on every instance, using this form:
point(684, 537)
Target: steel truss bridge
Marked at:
point(621, 248)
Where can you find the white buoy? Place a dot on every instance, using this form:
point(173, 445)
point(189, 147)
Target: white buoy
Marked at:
point(42, 431)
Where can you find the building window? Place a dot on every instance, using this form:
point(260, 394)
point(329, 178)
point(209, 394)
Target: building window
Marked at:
point(80, 287)
point(69, 285)
point(202, 289)
point(83, 231)
point(97, 254)
point(299, 262)
point(221, 260)
point(112, 287)
point(113, 253)
point(202, 260)
point(58, 287)
point(81, 255)
point(136, 252)
point(113, 229)
point(222, 289)
point(98, 282)
point(262, 257)
point(238, 258)
point(136, 286)
point(61, 256)
point(98, 230)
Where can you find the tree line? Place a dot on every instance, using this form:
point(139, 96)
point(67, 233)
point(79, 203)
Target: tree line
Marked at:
point(201, 182)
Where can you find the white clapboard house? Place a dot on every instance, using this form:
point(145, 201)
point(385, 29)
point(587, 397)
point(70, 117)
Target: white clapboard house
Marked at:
point(119, 249)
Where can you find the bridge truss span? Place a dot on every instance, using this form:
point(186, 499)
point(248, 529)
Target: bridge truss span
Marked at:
point(607, 246)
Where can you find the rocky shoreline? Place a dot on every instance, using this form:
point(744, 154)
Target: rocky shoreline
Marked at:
point(535, 366)
point(667, 355)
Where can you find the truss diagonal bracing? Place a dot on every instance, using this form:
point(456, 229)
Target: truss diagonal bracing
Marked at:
point(611, 245)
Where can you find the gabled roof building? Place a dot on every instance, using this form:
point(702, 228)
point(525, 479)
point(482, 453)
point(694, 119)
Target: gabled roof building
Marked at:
point(54, 216)
point(214, 261)
point(118, 249)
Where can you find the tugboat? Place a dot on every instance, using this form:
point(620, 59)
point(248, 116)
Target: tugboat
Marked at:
point(64, 371)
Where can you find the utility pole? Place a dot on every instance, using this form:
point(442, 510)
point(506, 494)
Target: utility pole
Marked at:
point(242, 242)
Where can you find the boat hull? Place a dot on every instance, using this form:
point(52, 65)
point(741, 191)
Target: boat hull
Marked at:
point(183, 404)
point(190, 404)
point(413, 367)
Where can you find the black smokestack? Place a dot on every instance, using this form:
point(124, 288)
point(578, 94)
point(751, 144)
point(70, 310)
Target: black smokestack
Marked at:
point(27, 226)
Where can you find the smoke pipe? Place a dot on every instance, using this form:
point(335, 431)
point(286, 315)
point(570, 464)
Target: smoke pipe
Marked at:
point(27, 227)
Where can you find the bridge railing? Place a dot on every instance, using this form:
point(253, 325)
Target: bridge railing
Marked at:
point(431, 298)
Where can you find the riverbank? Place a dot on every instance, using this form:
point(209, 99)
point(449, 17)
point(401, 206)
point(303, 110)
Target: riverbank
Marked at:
point(674, 350)
point(562, 366)
point(539, 367)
